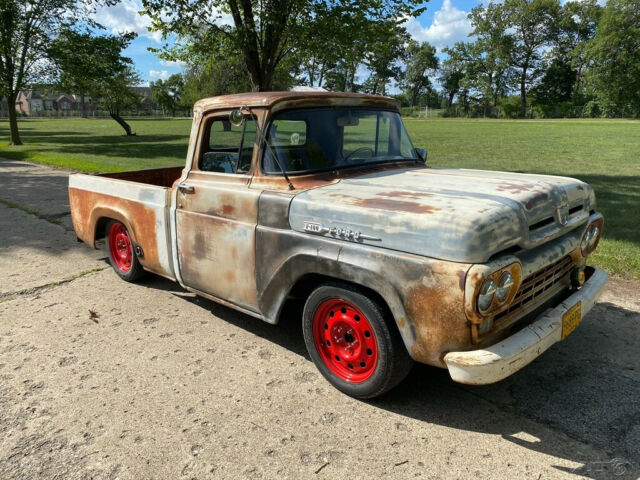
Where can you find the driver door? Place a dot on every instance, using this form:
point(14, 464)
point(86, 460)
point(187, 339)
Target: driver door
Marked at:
point(217, 213)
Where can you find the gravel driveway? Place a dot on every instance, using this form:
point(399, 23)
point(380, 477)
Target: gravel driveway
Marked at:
point(100, 379)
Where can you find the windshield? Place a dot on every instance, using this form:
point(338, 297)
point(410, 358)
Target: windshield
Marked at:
point(326, 139)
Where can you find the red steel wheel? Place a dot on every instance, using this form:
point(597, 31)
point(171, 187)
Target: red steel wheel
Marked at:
point(352, 340)
point(345, 340)
point(120, 247)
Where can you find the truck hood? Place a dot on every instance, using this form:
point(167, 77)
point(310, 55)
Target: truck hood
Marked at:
point(450, 214)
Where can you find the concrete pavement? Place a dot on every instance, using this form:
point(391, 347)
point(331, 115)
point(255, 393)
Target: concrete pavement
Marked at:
point(163, 384)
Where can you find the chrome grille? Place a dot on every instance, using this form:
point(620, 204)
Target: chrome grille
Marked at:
point(536, 284)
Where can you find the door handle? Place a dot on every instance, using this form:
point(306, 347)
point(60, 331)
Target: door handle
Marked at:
point(186, 188)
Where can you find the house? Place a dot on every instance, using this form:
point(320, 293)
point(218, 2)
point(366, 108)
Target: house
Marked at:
point(38, 102)
point(146, 99)
point(35, 102)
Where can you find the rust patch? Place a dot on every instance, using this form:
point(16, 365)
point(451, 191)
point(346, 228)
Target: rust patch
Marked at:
point(89, 207)
point(515, 187)
point(386, 204)
point(462, 275)
point(536, 200)
point(396, 205)
point(402, 194)
point(295, 99)
point(436, 307)
point(216, 239)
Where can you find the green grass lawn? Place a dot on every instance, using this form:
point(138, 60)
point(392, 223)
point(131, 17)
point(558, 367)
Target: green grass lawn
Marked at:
point(99, 145)
point(604, 153)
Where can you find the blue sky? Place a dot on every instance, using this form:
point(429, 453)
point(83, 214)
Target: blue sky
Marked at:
point(443, 24)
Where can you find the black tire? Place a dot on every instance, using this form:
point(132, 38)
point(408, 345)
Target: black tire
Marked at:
point(393, 361)
point(130, 270)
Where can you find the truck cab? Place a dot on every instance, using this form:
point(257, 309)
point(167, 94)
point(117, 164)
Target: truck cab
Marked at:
point(323, 197)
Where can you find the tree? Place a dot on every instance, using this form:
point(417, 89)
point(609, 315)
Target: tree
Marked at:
point(384, 55)
point(532, 25)
point(460, 73)
point(450, 78)
point(490, 55)
point(168, 93)
point(266, 33)
point(26, 29)
point(614, 58)
point(575, 26)
point(94, 64)
point(421, 65)
point(115, 94)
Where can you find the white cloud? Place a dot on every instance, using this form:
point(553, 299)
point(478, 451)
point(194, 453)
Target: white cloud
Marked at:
point(450, 25)
point(173, 63)
point(161, 74)
point(124, 17)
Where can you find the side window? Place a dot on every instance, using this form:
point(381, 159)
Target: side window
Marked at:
point(230, 148)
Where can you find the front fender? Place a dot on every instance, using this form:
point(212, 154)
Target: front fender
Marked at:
point(425, 296)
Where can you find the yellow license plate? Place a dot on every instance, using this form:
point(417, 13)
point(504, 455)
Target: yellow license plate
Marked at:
point(571, 319)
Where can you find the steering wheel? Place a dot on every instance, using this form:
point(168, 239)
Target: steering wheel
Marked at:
point(361, 149)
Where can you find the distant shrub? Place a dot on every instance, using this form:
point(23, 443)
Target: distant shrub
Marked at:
point(510, 106)
point(592, 110)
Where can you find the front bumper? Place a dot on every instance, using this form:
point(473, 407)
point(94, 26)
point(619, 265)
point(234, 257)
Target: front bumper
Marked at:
point(481, 367)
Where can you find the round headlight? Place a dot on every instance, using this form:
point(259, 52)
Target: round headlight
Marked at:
point(595, 231)
point(504, 286)
point(485, 297)
point(585, 240)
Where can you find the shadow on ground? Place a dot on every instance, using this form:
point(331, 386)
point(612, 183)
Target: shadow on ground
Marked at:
point(587, 387)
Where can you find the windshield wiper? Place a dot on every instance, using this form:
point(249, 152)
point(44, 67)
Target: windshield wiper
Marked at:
point(262, 140)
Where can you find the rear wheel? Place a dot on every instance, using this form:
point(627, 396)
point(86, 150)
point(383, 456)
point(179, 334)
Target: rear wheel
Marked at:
point(122, 256)
point(351, 343)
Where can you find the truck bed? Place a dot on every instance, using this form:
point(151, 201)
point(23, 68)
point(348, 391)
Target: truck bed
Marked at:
point(161, 177)
point(141, 200)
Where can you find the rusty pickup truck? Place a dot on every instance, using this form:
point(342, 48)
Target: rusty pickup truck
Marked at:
point(322, 197)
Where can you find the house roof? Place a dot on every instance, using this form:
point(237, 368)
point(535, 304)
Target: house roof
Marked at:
point(146, 91)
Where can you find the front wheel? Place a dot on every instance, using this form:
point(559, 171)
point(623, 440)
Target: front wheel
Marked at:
point(351, 343)
point(122, 257)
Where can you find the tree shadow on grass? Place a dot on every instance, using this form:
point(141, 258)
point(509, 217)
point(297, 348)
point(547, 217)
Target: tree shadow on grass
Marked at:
point(618, 198)
point(138, 147)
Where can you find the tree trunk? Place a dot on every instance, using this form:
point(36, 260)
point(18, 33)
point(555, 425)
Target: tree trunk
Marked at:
point(523, 96)
point(13, 120)
point(414, 96)
point(122, 123)
point(83, 107)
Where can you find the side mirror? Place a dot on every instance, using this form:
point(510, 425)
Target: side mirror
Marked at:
point(236, 118)
point(422, 154)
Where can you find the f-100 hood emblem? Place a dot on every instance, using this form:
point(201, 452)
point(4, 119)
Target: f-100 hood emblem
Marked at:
point(338, 232)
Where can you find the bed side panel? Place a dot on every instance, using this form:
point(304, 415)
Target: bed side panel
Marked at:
point(142, 208)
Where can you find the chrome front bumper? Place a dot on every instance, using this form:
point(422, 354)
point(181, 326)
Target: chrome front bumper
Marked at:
point(481, 367)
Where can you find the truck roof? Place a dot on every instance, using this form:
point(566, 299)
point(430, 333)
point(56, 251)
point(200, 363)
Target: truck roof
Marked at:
point(282, 100)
